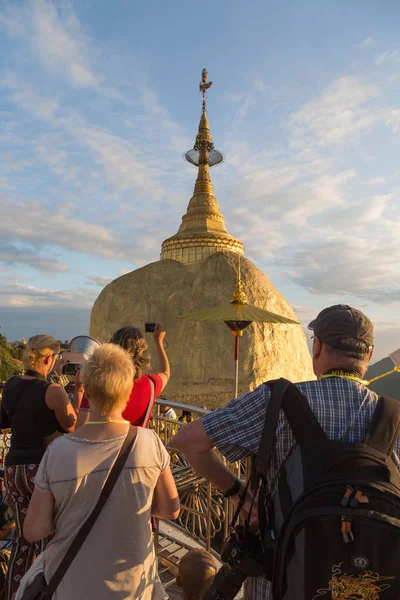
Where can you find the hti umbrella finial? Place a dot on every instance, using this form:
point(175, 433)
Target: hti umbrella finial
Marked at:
point(239, 297)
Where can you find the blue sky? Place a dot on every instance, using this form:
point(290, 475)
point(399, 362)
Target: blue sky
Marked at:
point(99, 100)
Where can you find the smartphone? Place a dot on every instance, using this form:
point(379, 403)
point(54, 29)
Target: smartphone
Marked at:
point(149, 327)
point(71, 368)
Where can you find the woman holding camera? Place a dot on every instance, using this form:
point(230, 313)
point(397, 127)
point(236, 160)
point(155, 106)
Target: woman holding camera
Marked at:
point(37, 411)
point(145, 388)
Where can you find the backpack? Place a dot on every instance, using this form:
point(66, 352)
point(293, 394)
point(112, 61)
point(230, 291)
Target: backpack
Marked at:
point(336, 513)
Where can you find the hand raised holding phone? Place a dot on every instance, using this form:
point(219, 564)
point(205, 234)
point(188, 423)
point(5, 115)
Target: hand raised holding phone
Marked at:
point(159, 333)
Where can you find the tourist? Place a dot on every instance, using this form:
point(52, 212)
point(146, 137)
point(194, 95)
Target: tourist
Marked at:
point(186, 417)
point(117, 560)
point(37, 411)
point(342, 348)
point(197, 570)
point(168, 412)
point(138, 410)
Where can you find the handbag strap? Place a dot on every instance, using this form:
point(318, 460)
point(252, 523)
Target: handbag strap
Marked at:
point(90, 521)
point(151, 401)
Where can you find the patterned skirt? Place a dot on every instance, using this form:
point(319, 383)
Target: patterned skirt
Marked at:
point(19, 484)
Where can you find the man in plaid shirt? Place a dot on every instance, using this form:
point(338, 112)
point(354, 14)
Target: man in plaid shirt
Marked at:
point(342, 349)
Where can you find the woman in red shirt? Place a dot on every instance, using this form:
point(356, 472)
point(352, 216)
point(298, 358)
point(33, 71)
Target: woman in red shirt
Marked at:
point(133, 341)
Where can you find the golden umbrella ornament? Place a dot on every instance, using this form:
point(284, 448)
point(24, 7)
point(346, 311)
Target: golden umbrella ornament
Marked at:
point(237, 315)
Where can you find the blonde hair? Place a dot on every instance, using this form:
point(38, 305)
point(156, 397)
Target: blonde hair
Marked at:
point(37, 348)
point(197, 570)
point(107, 377)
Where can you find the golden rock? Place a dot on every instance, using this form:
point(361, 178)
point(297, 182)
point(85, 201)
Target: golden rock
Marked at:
point(197, 270)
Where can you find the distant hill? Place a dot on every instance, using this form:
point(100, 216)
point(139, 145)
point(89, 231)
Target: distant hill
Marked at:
point(388, 386)
point(9, 359)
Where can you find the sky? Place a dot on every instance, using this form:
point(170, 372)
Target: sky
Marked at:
point(99, 100)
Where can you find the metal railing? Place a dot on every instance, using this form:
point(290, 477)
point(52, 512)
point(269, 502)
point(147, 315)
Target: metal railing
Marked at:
point(204, 511)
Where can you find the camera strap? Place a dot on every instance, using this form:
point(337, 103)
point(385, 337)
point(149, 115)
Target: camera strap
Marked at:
point(257, 480)
point(262, 459)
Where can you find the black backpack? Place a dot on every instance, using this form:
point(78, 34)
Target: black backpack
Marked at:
point(336, 514)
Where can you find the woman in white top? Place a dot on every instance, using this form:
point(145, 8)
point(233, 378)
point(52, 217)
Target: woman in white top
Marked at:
point(117, 560)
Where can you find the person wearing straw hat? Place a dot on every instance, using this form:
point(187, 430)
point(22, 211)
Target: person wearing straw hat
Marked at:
point(343, 344)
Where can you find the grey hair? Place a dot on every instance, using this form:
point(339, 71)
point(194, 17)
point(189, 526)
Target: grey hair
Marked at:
point(356, 358)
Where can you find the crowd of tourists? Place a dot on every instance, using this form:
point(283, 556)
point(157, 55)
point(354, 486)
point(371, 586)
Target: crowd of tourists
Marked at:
point(86, 477)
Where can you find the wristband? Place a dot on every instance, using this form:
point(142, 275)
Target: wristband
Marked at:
point(235, 489)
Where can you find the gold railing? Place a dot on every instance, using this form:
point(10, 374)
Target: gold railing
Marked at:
point(204, 511)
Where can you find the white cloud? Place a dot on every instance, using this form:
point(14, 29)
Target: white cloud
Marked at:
point(11, 254)
point(99, 280)
point(23, 94)
point(376, 180)
point(342, 112)
point(385, 56)
point(57, 40)
point(353, 252)
point(36, 224)
point(367, 42)
point(24, 296)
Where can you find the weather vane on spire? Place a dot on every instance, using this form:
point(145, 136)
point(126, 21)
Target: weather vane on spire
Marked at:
point(203, 151)
point(204, 86)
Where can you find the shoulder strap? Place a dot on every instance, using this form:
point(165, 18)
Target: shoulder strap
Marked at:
point(278, 389)
point(302, 421)
point(384, 428)
point(151, 401)
point(90, 521)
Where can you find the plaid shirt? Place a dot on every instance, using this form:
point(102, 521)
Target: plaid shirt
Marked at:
point(343, 407)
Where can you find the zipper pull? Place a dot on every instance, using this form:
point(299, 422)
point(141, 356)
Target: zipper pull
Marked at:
point(347, 495)
point(343, 529)
point(356, 498)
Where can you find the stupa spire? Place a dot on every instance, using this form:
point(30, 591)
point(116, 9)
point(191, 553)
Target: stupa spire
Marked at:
point(202, 231)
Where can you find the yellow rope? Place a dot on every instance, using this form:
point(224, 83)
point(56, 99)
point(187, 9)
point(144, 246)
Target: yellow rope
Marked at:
point(358, 379)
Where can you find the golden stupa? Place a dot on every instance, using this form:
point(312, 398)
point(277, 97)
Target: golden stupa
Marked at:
point(202, 231)
point(196, 270)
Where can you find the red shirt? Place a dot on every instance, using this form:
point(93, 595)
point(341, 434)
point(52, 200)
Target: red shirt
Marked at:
point(139, 399)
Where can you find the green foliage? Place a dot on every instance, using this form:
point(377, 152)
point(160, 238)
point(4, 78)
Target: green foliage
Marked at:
point(9, 363)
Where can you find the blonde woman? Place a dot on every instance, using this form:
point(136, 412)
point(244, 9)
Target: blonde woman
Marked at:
point(132, 340)
point(117, 560)
point(36, 411)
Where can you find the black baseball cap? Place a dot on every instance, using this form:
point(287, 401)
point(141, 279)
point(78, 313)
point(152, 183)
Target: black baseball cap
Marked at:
point(343, 327)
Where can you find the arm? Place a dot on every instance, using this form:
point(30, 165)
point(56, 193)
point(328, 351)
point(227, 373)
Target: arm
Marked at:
point(78, 393)
point(80, 402)
point(236, 432)
point(194, 443)
point(163, 362)
point(39, 519)
point(198, 449)
point(165, 503)
point(57, 400)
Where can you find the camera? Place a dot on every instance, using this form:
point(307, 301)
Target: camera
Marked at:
point(71, 369)
point(243, 556)
point(149, 327)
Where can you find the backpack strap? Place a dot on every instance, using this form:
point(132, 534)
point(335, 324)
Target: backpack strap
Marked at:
point(384, 428)
point(278, 389)
point(302, 421)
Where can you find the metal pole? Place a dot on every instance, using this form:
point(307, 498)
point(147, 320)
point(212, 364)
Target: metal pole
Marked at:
point(236, 382)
